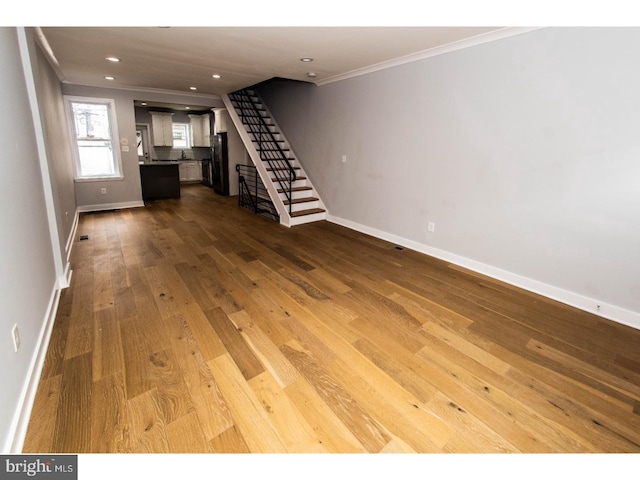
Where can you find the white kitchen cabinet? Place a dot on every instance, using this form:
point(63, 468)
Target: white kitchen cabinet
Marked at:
point(190, 171)
point(220, 120)
point(182, 170)
point(162, 129)
point(200, 130)
point(194, 171)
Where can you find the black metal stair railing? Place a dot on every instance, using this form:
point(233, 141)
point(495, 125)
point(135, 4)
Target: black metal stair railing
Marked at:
point(269, 148)
point(252, 193)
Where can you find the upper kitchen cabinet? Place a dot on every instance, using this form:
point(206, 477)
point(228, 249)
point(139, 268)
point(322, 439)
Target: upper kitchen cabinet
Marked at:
point(220, 120)
point(200, 130)
point(162, 127)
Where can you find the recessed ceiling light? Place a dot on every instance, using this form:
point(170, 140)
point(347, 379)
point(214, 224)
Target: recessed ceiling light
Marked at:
point(143, 103)
point(306, 59)
point(215, 75)
point(109, 78)
point(187, 108)
point(311, 75)
point(113, 59)
point(192, 88)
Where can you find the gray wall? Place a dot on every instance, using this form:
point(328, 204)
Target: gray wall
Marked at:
point(524, 152)
point(38, 207)
point(57, 143)
point(237, 154)
point(27, 264)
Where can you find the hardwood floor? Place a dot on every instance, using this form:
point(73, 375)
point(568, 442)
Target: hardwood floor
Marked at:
point(192, 325)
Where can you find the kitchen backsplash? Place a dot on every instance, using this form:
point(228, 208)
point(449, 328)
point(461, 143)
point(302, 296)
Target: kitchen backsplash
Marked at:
point(195, 153)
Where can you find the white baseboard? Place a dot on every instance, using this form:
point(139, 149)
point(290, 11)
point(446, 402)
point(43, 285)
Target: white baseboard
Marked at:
point(110, 206)
point(603, 309)
point(20, 422)
point(66, 280)
point(27, 397)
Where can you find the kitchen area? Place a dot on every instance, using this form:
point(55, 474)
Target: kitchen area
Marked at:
point(180, 145)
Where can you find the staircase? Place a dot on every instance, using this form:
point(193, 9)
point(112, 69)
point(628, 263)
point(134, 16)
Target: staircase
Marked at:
point(291, 192)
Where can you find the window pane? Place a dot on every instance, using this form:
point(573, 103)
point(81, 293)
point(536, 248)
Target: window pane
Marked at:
point(180, 135)
point(139, 143)
point(96, 158)
point(91, 120)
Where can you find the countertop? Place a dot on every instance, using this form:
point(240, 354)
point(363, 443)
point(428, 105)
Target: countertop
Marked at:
point(180, 160)
point(174, 162)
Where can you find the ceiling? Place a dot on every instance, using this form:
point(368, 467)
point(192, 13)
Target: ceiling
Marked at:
point(174, 59)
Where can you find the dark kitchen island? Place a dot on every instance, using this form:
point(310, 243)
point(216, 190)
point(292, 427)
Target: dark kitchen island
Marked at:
point(160, 180)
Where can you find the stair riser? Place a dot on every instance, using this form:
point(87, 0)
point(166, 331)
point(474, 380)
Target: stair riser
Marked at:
point(289, 157)
point(257, 122)
point(308, 219)
point(296, 195)
point(266, 139)
point(247, 105)
point(287, 154)
point(296, 183)
point(296, 207)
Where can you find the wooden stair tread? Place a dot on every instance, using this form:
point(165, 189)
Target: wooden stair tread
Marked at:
point(297, 178)
point(310, 211)
point(301, 200)
point(296, 189)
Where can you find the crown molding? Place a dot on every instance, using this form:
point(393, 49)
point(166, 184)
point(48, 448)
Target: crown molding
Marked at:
point(432, 52)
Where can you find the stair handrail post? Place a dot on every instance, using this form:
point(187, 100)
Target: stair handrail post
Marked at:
point(256, 185)
point(290, 196)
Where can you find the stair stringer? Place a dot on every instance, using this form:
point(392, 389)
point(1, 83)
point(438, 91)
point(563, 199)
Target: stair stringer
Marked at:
point(272, 188)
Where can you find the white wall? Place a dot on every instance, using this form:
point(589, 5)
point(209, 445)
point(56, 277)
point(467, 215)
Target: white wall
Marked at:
point(28, 282)
point(524, 152)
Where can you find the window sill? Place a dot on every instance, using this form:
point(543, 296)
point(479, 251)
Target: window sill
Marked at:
point(98, 179)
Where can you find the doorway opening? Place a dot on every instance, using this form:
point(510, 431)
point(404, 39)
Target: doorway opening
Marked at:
point(142, 142)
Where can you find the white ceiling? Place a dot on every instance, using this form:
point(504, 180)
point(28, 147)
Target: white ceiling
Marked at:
point(173, 59)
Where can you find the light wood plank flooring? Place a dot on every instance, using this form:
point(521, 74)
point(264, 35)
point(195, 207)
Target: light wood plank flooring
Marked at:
point(192, 325)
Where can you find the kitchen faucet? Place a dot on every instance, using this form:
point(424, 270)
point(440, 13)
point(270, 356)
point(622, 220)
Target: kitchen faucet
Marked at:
point(183, 155)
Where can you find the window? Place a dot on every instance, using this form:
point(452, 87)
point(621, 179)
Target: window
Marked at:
point(181, 135)
point(93, 128)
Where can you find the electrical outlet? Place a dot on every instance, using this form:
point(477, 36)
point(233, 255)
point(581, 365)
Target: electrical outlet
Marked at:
point(15, 334)
point(344, 159)
point(431, 227)
point(103, 191)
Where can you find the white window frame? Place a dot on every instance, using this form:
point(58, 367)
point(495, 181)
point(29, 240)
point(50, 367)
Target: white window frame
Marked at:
point(113, 127)
point(187, 128)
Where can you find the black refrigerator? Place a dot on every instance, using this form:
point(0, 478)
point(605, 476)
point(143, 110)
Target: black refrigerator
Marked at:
point(220, 163)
